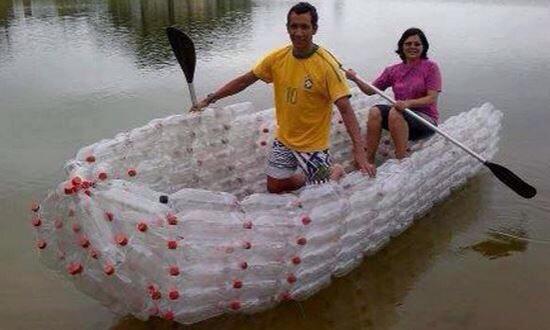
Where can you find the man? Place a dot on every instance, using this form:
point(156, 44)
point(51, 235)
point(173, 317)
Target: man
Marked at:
point(306, 80)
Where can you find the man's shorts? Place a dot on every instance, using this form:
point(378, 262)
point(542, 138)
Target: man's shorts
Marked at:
point(417, 130)
point(282, 163)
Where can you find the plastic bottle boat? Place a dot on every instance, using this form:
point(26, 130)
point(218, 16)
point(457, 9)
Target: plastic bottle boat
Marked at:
point(172, 219)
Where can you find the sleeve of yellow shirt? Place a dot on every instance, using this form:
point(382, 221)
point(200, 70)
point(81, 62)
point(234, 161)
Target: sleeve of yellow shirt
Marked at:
point(262, 69)
point(337, 84)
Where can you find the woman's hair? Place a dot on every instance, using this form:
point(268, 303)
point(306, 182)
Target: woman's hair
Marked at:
point(302, 8)
point(408, 33)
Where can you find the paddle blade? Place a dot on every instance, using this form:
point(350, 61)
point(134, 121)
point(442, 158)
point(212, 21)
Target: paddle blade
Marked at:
point(513, 181)
point(184, 49)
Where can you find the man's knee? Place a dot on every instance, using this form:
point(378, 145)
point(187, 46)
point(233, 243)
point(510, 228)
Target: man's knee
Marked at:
point(277, 186)
point(274, 186)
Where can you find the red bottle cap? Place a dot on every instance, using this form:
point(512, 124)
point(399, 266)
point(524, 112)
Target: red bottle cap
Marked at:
point(35, 207)
point(155, 295)
point(172, 219)
point(84, 242)
point(291, 279)
point(169, 315)
point(172, 245)
point(174, 270)
point(235, 305)
point(94, 253)
point(142, 227)
point(109, 269)
point(68, 190)
point(173, 294)
point(76, 181)
point(306, 220)
point(121, 239)
point(36, 222)
point(41, 244)
point(74, 268)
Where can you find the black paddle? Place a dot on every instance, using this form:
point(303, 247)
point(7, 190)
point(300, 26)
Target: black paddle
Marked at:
point(184, 49)
point(506, 176)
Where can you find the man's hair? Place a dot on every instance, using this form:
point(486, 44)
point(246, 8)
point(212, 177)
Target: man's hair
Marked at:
point(302, 8)
point(413, 32)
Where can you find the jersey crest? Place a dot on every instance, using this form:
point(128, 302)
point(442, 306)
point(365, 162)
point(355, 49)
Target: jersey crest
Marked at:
point(308, 83)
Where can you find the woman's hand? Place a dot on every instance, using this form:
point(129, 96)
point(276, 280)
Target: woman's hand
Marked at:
point(351, 75)
point(402, 105)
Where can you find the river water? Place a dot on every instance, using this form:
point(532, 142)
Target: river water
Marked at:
point(73, 72)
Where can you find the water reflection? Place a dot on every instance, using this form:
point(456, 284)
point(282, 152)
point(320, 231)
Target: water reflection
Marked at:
point(6, 12)
point(501, 244)
point(144, 24)
point(136, 28)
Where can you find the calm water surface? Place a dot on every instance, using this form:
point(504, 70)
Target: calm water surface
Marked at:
point(73, 72)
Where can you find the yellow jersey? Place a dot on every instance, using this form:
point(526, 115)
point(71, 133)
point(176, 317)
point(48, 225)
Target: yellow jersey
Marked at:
point(305, 89)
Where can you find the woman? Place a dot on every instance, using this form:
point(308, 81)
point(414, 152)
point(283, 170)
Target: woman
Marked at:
point(416, 83)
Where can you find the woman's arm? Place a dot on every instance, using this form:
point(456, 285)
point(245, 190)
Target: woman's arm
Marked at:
point(430, 98)
point(352, 75)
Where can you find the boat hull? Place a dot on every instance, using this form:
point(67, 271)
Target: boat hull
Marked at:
point(172, 219)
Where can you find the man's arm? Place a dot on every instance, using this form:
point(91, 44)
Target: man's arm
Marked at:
point(352, 126)
point(233, 87)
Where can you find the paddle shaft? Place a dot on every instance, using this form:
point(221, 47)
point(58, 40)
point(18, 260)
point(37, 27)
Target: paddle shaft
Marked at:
point(192, 93)
point(427, 123)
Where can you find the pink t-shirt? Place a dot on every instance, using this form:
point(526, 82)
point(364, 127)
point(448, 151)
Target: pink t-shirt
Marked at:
point(412, 81)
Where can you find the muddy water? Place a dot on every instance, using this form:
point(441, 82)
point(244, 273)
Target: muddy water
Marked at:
point(74, 72)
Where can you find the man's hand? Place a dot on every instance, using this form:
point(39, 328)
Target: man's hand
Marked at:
point(199, 106)
point(362, 164)
point(204, 103)
point(402, 105)
point(352, 126)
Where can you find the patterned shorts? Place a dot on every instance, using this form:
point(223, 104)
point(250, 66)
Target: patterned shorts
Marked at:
point(283, 162)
